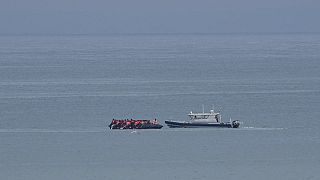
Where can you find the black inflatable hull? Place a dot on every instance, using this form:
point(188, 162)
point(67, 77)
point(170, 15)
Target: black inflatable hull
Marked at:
point(177, 124)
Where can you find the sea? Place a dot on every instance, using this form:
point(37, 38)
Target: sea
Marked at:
point(58, 93)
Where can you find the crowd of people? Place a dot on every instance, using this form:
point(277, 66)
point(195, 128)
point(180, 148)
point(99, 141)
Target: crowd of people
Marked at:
point(131, 123)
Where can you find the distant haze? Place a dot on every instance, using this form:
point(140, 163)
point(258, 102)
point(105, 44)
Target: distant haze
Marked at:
point(158, 16)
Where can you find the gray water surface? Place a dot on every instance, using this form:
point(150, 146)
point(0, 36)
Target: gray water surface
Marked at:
point(58, 93)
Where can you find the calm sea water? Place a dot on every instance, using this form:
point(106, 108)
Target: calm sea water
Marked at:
point(57, 93)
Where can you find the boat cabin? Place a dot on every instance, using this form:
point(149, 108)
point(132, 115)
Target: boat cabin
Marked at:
point(205, 117)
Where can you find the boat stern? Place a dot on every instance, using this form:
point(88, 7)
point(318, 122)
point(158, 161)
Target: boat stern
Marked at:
point(235, 124)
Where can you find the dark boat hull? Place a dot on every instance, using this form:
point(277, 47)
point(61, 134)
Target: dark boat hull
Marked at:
point(178, 124)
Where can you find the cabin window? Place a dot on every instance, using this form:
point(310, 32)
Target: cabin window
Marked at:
point(200, 117)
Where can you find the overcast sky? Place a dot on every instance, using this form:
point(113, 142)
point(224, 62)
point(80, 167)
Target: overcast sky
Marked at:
point(158, 16)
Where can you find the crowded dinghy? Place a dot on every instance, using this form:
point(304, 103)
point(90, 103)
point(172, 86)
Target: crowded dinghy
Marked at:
point(134, 124)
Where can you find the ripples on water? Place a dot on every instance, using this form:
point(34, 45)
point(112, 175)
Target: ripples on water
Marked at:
point(58, 93)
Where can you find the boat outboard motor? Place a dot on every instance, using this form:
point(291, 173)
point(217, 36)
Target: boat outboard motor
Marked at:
point(235, 124)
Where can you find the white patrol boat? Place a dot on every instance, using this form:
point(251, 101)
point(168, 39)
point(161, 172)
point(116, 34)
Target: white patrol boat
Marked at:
point(211, 119)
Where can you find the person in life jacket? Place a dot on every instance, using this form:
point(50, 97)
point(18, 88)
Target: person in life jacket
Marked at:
point(127, 124)
point(137, 124)
point(114, 124)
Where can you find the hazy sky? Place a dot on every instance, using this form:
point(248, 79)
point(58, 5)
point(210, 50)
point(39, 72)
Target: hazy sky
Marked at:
point(158, 16)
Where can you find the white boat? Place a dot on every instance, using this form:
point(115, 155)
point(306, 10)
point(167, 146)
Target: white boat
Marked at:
point(210, 119)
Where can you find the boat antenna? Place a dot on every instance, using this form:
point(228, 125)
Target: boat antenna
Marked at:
point(213, 108)
point(202, 108)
